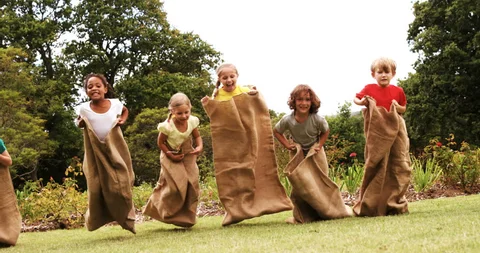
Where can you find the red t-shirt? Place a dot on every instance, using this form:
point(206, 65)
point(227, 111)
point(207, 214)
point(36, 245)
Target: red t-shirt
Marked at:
point(384, 95)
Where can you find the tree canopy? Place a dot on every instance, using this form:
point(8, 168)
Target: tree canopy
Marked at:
point(52, 45)
point(443, 93)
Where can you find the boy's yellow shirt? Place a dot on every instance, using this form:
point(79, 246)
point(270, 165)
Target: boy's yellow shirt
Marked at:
point(225, 96)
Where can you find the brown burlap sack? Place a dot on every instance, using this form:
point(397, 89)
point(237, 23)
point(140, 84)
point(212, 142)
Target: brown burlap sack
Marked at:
point(108, 169)
point(244, 158)
point(175, 198)
point(10, 219)
point(387, 163)
point(314, 195)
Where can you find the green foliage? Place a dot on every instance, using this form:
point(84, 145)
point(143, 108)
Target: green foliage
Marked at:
point(120, 39)
point(75, 172)
point(209, 192)
point(205, 159)
point(353, 177)
point(336, 175)
point(23, 198)
point(425, 173)
point(155, 90)
point(336, 150)
point(465, 166)
point(59, 203)
point(24, 134)
point(443, 93)
point(286, 184)
point(35, 26)
point(346, 136)
point(459, 165)
point(37, 119)
point(141, 138)
point(442, 153)
point(128, 38)
point(141, 194)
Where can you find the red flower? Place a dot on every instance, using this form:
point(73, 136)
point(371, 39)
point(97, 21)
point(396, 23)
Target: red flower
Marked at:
point(353, 154)
point(51, 178)
point(439, 144)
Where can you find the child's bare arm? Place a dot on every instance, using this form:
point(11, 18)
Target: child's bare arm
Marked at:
point(322, 139)
point(362, 101)
point(400, 108)
point(281, 138)
point(162, 138)
point(198, 142)
point(5, 159)
point(80, 122)
point(123, 117)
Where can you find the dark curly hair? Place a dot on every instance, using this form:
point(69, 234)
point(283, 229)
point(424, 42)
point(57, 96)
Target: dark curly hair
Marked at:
point(313, 97)
point(110, 93)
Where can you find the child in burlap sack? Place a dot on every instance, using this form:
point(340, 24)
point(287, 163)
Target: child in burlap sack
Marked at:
point(10, 219)
point(314, 195)
point(387, 160)
point(226, 86)
point(175, 198)
point(243, 151)
point(107, 163)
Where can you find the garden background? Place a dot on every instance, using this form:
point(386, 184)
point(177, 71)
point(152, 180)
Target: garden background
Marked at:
point(147, 60)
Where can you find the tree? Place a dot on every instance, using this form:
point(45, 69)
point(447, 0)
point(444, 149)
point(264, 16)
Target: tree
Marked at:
point(443, 93)
point(155, 90)
point(35, 26)
point(27, 141)
point(346, 136)
point(141, 138)
point(127, 38)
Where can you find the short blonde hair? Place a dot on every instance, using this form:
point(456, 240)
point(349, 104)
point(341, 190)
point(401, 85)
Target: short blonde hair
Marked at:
point(383, 63)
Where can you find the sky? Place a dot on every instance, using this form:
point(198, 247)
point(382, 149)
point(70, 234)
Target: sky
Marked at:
point(277, 44)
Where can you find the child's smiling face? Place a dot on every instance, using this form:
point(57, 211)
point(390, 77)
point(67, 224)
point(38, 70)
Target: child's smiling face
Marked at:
point(228, 77)
point(96, 89)
point(303, 102)
point(182, 112)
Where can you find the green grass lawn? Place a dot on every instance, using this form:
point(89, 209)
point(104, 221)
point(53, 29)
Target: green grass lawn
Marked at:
point(440, 225)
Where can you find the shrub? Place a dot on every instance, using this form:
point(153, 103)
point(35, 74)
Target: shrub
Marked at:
point(443, 155)
point(459, 166)
point(208, 191)
point(141, 194)
point(465, 167)
point(58, 203)
point(353, 177)
point(336, 174)
point(425, 173)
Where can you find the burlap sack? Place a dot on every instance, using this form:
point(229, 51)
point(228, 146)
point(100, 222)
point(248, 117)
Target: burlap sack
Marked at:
point(10, 219)
point(314, 195)
point(387, 163)
point(244, 158)
point(174, 200)
point(108, 169)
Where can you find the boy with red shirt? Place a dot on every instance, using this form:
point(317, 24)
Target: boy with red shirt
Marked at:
point(387, 168)
point(383, 70)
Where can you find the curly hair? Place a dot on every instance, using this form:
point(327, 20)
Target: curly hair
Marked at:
point(296, 93)
point(110, 93)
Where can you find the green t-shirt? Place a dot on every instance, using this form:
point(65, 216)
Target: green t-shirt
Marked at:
point(2, 146)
